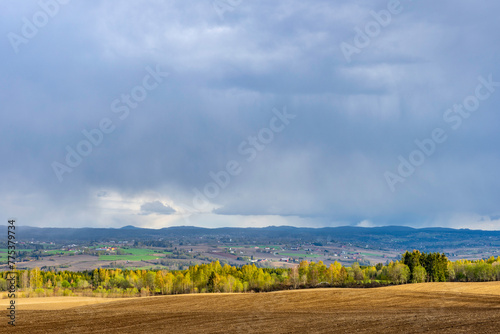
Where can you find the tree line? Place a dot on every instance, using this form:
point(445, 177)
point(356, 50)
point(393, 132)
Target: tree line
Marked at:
point(414, 267)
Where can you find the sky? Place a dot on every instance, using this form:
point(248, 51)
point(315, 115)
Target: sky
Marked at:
point(247, 113)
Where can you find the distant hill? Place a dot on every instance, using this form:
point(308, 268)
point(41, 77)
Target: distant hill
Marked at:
point(128, 227)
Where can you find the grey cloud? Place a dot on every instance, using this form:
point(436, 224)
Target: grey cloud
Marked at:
point(156, 207)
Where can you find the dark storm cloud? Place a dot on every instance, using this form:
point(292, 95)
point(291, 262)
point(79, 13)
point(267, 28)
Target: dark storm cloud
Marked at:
point(225, 76)
point(156, 207)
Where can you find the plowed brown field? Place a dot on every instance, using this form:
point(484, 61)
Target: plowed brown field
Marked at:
point(413, 308)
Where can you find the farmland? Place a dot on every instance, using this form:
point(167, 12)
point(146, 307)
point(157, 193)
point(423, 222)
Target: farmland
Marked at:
point(128, 257)
point(133, 254)
point(299, 255)
point(4, 254)
point(415, 308)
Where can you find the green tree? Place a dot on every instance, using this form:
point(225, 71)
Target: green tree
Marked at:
point(419, 274)
point(212, 282)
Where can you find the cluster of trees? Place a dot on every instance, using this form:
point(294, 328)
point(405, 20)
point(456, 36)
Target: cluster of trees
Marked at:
point(430, 267)
point(213, 277)
point(475, 271)
point(435, 267)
